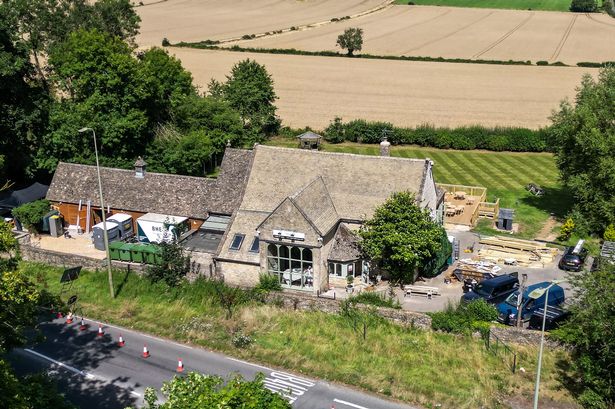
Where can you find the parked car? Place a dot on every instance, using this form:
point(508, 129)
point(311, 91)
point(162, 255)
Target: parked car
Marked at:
point(507, 310)
point(573, 259)
point(555, 317)
point(493, 290)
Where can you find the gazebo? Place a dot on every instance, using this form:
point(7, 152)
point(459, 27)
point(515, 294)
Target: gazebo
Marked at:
point(309, 140)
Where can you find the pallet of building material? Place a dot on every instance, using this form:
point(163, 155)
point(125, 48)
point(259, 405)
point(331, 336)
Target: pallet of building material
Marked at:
point(513, 244)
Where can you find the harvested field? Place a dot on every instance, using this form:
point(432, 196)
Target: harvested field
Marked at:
point(313, 90)
point(465, 33)
point(196, 20)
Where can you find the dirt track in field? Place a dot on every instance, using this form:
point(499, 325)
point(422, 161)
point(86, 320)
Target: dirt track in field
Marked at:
point(466, 33)
point(196, 20)
point(313, 90)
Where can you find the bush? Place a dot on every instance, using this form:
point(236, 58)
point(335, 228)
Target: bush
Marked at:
point(542, 62)
point(165, 42)
point(566, 230)
point(241, 340)
point(609, 233)
point(173, 267)
point(268, 282)
point(465, 318)
point(609, 7)
point(376, 299)
point(480, 310)
point(31, 214)
point(583, 6)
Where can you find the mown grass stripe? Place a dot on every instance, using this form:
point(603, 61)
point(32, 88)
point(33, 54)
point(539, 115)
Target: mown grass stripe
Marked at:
point(527, 169)
point(453, 171)
point(490, 171)
point(471, 163)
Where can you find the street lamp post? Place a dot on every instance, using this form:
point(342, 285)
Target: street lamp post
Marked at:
point(104, 217)
point(537, 294)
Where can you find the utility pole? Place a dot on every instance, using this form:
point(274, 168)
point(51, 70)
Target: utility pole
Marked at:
point(520, 299)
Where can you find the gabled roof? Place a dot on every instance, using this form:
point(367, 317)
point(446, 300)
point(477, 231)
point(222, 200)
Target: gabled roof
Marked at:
point(357, 184)
point(315, 203)
point(309, 135)
point(345, 245)
point(156, 192)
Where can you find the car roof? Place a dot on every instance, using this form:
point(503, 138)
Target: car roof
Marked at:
point(492, 282)
point(536, 286)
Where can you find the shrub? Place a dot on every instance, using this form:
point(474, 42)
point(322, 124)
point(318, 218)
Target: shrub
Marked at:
point(450, 321)
point(465, 318)
point(567, 229)
point(583, 6)
point(166, 42)
point(241, 340)
point(376, 299)
point(334, 133)
point(246, 37)
point(268, 282)
point(173, 267)
point(609, 233)
point(480, 310)
point(542, 62)
point(31, 214)
point(609, 7)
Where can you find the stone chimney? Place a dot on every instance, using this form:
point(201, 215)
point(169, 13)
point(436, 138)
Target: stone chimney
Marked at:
point(385, 147)
point(140, 165)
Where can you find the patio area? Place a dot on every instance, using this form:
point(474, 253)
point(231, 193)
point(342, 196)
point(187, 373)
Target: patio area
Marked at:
point(80, 245)
point(465, 204)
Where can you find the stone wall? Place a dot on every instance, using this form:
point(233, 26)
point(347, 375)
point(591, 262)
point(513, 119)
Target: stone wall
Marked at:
point(521, 336)
point(306, 302)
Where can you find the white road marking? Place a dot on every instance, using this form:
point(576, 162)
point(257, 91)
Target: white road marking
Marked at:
point(135, 394)
point(354, 405)
point(289, 386)
point(140, 333)
point(63, 365)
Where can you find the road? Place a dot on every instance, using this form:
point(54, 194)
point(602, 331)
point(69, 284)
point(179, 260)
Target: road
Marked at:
point(95, 372)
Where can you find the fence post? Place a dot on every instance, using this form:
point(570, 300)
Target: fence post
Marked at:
point(514, 367)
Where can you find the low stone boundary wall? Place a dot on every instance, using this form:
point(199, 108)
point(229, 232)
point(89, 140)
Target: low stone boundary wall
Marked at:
point(522, 336)
point(299, 301)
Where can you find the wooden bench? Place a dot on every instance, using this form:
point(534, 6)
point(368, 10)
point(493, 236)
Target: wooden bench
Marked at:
point(410, 290)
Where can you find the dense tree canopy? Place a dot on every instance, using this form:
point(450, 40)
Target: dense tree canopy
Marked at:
point(585, 137)
point(591, 331)
point(351, 40)
point(196, 391)
point(401, 236)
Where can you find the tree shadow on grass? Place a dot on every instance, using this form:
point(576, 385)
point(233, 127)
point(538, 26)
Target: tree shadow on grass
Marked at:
point(557, 201)
point(123, 283)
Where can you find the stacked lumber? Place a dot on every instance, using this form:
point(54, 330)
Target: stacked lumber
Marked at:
point(510, 250)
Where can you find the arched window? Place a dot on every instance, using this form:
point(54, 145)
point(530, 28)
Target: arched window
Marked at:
point(292, 264)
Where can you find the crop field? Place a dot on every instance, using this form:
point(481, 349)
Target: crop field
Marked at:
point(313, 90)
point(196, 20)
point(504, 174)
point(468, 33)
point(549, 5)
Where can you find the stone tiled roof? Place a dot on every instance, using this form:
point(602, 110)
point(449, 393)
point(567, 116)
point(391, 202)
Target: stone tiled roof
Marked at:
point(345, 245)
point(156, 192)
point(309, 135)
point(244, 222)
point(315, 203)
point(357, 184)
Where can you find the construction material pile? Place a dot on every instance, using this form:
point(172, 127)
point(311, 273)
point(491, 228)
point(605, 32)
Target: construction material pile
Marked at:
point(512, 251)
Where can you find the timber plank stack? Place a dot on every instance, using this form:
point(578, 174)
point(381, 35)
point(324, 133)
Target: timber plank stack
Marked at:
point(508, 250)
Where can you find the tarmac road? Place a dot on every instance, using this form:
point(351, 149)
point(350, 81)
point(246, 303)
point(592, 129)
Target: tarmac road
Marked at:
point(94, 372)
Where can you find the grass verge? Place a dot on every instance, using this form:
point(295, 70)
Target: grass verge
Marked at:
point(504, 174)
point(415, 366)
point(547, 5)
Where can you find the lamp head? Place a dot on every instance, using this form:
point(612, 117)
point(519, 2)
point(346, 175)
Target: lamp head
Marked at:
point(82, 130)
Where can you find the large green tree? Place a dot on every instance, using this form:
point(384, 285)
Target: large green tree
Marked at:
point(351, 40)
point(249, 90)
point(401, 237)
point(584, 135)
point(591, 333)
point(196, 391)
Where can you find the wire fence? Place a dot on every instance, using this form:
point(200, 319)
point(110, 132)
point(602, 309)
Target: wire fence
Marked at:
point(499, 348)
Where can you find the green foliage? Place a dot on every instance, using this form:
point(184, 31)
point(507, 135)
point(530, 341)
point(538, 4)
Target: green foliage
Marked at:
point(9, 248)
point(20, 299)
point(465, 317)
point(351, 40)
point(31, 214)
point(609, 233)
point(584, 137)
point(435, 266)
point(401, 237)
point(173, 267)
point(609, 7)
point(549, 5)
point(249, 90)
point(584, 6)
point(359, 318)
point(376, 299)
point(567, 229)
point(336, 131)
point(268, 282)
point(196, 391)
point(591, 334)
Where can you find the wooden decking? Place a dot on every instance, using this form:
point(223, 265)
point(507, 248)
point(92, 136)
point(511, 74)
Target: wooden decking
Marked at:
point(469, 213)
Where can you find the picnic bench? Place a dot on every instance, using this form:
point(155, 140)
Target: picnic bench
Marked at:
point(410, 290)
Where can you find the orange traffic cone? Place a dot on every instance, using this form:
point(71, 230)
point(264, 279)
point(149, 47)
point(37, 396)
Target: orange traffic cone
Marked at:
point(100, 331)
point(59, 314)
point(180, 365)
point(82, 327)
point(145, 351)
point(121, 341)
point(69, 318)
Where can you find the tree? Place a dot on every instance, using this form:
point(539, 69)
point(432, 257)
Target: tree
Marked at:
point(584, 138)
point(584, 6)
point(249, 90)
point(400, 237)
point(173, 266)
point(591, 333)
point(9, 248)
point(31, 214)
point(609, 233)
point(196, 391)
point(351, 40)
point(188, 154)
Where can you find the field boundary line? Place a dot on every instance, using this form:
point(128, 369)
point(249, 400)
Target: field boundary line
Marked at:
point(564, 38)
point(429, 20)
point(452, 33)
point(303, 27)
point(589, 16)
point(504, 37)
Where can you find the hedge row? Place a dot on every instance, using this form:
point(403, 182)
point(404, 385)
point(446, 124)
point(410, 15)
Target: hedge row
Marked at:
point(464, 138)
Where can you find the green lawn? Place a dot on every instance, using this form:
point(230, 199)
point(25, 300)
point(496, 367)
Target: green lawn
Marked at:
point(415, 366)
point(549, 5)
point(504, 174)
